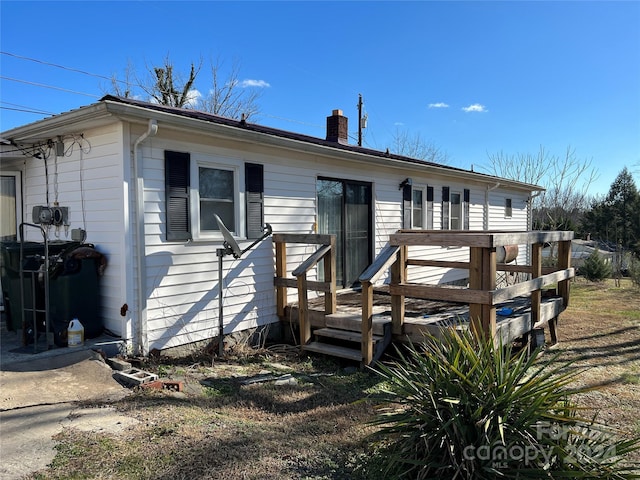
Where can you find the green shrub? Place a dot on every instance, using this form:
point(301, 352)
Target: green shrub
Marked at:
point(595, 268)
point(467, 409)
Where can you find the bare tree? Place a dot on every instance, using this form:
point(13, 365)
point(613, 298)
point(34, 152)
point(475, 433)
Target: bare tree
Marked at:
point(167, 86)
point(566, 180)
point(414, 146)
point(228, 97)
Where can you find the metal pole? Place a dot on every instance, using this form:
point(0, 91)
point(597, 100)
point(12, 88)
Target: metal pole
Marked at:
point(220, 254)
point(359, 120)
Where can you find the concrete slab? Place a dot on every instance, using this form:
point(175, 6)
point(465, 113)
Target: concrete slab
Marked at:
point(38, 399)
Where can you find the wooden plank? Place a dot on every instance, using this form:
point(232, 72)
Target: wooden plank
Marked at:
point(333, 350)
point(346, 335)
point(489, 284)
point(484, 239)
point(383, 261)
point(312, 260)
point(524, 288)
point(330, 297)
point(536, 272)
point(444, 293)
point(564, 261)
point(398, 276)
point(311, 239)
point(281, 272)
point(311, 285)
point(366, 335)
point(303, 308)
point(438, 264)
point(353, 322)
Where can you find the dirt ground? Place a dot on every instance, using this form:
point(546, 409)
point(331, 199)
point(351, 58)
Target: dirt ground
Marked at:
point(275, 414)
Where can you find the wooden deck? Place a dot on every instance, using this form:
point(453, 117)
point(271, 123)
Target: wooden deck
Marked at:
point(424, 316)
point(502, 312)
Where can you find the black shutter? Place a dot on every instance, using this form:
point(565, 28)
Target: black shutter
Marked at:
point(445, 208)
point(177, 183)
point(406, 206)
point(465, 209)
point(254, 193)
point(429, 208)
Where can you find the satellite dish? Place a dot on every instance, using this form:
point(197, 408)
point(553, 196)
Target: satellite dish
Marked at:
point(229, 242)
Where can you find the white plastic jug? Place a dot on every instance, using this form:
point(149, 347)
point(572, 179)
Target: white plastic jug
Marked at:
point(75, 333)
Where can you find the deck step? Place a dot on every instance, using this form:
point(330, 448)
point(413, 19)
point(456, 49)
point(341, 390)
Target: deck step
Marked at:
point(334, 350)
point(346, 335)
point(353, 322)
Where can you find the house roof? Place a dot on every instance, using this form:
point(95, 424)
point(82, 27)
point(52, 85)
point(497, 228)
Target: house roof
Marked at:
point(108, 106)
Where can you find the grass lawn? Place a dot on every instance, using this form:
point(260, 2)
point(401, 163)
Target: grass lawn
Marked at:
point(312, 422)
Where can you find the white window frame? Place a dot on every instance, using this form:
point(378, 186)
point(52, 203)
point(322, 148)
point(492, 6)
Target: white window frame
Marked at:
point(461, 208)
point(508, 207)
point(423, 206)
point(237, 230)
point(17, 176)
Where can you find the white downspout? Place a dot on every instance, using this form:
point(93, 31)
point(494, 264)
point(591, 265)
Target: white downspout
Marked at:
point(141, 330)
point(486, 205)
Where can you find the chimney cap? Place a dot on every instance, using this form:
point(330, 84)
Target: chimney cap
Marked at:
point(336, 111)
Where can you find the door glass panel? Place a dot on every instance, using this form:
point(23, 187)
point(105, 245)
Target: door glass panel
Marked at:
point(8, 226)
point(330, 218)
point(357, 241)
point(344, 210)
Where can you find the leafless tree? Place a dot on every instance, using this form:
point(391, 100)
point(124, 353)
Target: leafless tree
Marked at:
point(414, 146)
point(566, 180)
point(227, 96)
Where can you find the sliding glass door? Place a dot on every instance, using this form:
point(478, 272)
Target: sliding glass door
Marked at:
point(344, 210)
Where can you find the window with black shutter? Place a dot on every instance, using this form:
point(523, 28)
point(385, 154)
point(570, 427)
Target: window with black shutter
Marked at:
point(465, 209)
point(177, 174)
point(445, 208)
point(429, 208)
point(254, 192)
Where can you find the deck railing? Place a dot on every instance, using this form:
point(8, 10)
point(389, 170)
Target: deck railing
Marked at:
point(325, 253)
point(482, 294)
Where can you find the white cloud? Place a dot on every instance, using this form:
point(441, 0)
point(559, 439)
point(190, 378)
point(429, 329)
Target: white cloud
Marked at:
point(476, 107)
point(193, 98)
point(254, 83)
point(399, 124)
point(438, 105)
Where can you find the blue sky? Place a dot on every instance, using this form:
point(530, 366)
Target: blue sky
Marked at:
point(472, 78)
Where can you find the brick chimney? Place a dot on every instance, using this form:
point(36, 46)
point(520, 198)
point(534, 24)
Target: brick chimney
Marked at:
point(337, 128)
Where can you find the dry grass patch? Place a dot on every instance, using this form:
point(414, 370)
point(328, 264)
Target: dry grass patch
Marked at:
point(316, 427)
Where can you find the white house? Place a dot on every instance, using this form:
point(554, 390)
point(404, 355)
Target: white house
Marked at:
point(144, 181)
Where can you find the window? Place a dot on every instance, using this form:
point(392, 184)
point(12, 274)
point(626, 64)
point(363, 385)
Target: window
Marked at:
point(417, 208)
point(196, 189)
point(508, 210)
point(216, 193)
point(456, 212)
point(455, 209)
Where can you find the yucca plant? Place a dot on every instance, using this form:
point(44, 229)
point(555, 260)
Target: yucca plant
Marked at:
point(457, 407)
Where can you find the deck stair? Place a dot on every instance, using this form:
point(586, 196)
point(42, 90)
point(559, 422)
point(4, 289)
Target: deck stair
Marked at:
point(342, 337)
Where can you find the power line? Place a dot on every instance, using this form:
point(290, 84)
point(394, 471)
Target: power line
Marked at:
point(42, 62)
point(48, 86)
point(24, 108)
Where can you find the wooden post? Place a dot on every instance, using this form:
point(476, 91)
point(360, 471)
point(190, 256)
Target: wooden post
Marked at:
point(489, 284)
point(398, 277)
point(536, 271)
point(281, 272)
point(303, 310)
point(367, 323)
point(482, 276)
point(564, 262)
point(330, 298)
point(475, 283)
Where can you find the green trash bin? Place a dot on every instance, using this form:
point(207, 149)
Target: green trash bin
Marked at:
point(63, 283)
